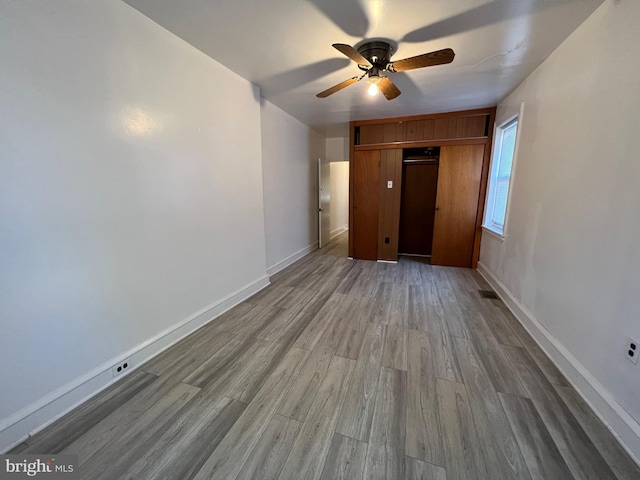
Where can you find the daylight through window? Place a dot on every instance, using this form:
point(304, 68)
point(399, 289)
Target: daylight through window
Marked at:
point(501, 176)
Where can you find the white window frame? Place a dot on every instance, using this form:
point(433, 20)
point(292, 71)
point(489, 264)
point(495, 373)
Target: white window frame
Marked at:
point(488, 223)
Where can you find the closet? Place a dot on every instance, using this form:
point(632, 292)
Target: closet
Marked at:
point(417, 186)
point(418, 201)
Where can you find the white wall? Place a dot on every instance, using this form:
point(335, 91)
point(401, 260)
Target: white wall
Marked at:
point(337, 149)
point(290, 151)
point(339, 197)
point(570, 259)
point(130, 196)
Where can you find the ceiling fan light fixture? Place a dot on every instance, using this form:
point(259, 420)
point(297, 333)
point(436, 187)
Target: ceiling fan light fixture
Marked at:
point(374, 77)
point(373, 86)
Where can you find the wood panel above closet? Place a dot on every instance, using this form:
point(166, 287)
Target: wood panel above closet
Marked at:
point(474, 124)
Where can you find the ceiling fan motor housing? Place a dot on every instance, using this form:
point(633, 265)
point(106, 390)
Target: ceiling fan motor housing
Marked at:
point(378, 53)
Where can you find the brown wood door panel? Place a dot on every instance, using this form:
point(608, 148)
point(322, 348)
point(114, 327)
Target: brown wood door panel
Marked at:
point(459, 176)
point(410, 135)
point(378, 134)
point(367, 134)
point(441, 129)
point(389, 132)
point(474, 126)
point(401, 132)
point(365, 180)
point(427, 131)
point(452, 131)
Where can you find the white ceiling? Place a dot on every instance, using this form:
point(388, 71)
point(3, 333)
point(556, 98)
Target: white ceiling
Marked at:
point(284, 47)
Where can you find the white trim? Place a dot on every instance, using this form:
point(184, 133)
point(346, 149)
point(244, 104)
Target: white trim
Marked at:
point(43, 412)
point(493, 233)
point(621, 424)
point(514, 163)
point(320, 242)
point(339, 230)
point(294, 257)
point(387, 261)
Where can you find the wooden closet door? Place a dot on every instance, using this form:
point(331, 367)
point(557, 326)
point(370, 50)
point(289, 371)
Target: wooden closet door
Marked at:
point(365, 177)
point(459, 177)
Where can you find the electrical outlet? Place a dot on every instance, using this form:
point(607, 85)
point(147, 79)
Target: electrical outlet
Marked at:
point(632, 349)
point(121, 367)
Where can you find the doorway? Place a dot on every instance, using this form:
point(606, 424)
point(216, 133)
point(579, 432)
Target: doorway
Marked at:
point(418, 201)
point(324, 202)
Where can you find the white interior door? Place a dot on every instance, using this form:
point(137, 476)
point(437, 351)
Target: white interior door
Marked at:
point(324, 202)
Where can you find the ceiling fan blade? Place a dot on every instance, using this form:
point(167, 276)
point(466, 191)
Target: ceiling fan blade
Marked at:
point(388, 88)
point(352, 53)
point(439, 57)
point(338, 87)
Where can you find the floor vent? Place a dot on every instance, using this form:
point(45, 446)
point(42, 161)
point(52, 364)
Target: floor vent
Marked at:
point(488, 294)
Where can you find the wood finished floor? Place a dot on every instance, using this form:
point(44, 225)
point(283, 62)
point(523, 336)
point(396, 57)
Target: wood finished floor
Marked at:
point(346, 369)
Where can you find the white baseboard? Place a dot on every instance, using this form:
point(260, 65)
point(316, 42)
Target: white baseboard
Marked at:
point(294, 257)
point(338, 231)
point(40, 414)
point(621, 424)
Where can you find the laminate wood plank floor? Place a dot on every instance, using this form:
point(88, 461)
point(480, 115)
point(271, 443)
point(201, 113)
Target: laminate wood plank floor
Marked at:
point(346, 369)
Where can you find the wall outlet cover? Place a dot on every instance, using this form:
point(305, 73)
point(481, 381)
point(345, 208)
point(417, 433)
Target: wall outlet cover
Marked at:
point(121, 367)
point(632, 350)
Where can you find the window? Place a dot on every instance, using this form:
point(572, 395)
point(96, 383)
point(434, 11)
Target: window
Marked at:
point(500, 176)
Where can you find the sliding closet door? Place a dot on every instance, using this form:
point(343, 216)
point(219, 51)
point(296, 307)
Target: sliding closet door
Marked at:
point(365, 177)
point(459, 176)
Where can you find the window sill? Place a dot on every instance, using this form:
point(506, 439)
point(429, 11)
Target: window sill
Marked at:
point(493, 233)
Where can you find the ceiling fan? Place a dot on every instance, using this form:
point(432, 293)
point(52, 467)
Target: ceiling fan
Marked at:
point(374, 57)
